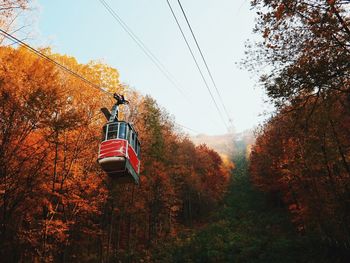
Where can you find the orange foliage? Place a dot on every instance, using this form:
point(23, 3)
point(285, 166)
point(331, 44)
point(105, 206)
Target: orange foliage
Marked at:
point(55, 201)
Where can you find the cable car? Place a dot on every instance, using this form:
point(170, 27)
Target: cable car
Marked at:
point(119, 151)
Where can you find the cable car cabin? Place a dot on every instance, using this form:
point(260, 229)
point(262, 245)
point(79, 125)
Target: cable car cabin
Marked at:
point(119, 152)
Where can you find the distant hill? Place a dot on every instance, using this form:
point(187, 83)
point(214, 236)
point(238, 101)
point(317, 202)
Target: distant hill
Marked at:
point(225, 144)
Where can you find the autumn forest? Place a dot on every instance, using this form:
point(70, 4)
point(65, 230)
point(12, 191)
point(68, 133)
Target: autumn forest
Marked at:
point(280, 195)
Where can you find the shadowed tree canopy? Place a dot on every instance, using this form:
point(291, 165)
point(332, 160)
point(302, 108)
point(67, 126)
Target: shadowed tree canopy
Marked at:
point(302, 154)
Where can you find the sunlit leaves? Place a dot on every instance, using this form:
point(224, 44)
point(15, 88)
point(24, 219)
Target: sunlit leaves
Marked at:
point(56, 201)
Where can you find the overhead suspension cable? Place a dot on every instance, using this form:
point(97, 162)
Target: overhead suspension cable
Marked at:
point(204, 60)
point(64, 68)
point(187, 128)
point(143, 47)
point(146, 50)
point(196, 62)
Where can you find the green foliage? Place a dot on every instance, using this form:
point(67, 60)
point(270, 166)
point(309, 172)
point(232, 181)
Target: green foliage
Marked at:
point(248, 228)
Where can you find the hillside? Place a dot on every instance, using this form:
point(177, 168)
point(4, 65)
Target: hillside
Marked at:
point(221, 143)
point(225, 143)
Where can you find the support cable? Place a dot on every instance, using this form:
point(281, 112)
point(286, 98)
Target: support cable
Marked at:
point(143, 47)
point(196, 62)
point(62, 67)
point(147, 51)
point(204, 60)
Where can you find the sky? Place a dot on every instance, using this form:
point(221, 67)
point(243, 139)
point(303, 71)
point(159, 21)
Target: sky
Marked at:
point(84, 29)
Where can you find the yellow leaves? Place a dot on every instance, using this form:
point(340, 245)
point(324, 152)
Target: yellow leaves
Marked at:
point(175, 208)
point(106, 76)
point(227, 165)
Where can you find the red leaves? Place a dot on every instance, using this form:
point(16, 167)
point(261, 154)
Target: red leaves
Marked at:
point(279, 12)
point(301, 156)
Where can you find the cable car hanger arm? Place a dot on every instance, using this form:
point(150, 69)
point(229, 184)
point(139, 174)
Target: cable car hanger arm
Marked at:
point(113, 116)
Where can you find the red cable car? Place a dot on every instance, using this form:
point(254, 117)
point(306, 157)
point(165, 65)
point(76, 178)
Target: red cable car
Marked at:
point(119, 152)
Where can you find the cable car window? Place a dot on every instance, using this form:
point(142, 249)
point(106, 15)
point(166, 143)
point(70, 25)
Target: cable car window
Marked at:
point(122, 130)
point(129, 135)
point(127, 132)
point(104, 129)
point(112, 131)
point(132, 140)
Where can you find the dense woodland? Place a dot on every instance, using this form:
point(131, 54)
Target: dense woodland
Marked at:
point(287, 199)
point(56, 202)
point(302, 154)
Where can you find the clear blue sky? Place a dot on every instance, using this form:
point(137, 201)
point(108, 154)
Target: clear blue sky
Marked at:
point(84, 29)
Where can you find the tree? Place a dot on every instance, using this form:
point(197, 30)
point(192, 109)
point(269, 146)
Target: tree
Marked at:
point(302, 155)
point(56, 204)
point(306, 48)
point(9, 12)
